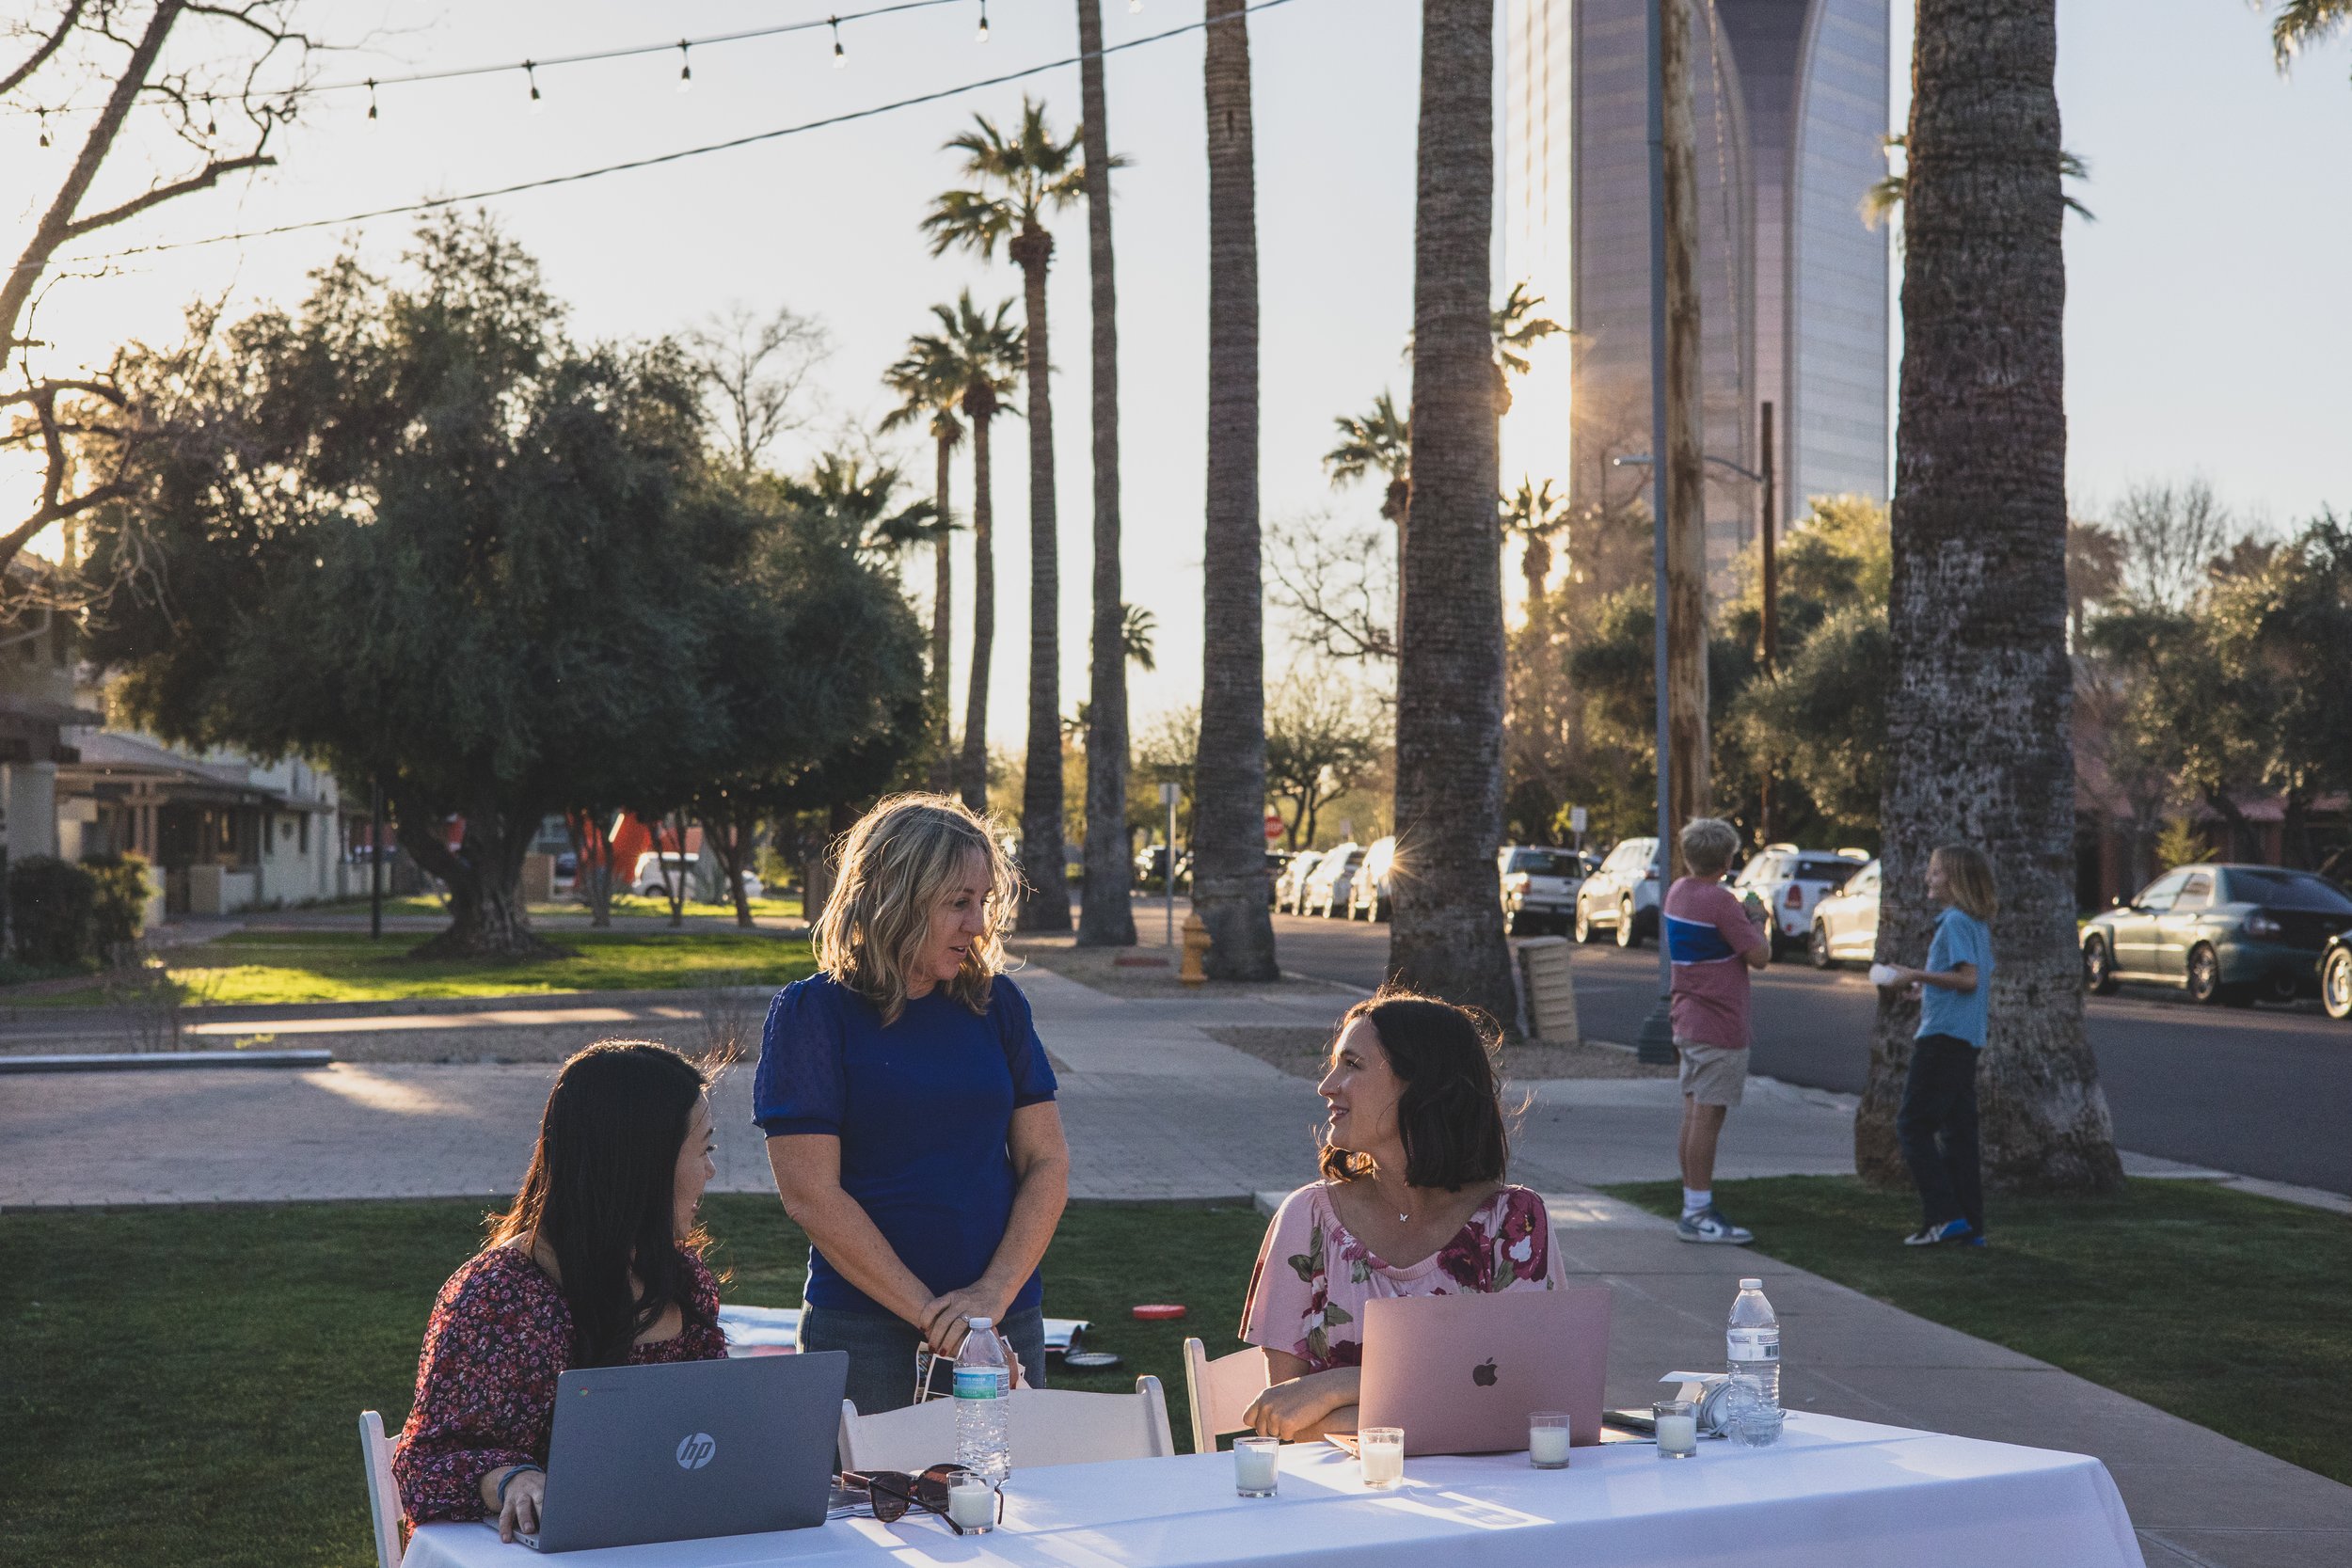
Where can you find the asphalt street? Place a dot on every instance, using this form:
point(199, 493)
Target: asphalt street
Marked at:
point(2263, 1091)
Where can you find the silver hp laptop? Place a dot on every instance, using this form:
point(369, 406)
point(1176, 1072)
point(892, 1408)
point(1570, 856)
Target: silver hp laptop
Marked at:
point(694, 1449)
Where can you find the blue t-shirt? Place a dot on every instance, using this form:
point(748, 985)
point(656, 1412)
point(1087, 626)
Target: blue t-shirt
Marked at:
point(922, 1109)
point(1960, 939)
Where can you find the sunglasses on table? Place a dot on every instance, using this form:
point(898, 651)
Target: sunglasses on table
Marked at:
point(892, 1493)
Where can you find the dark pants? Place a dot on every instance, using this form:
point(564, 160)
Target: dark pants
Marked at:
point(881, 1354)
point(1937, 1129)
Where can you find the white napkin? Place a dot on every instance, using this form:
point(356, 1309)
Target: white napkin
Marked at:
point(1885, 974)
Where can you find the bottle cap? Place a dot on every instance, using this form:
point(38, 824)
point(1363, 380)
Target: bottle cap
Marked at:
point(980, 1322)
point(1751, 1285)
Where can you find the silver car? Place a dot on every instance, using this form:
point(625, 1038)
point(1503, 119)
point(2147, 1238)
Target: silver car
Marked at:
point(1333, 880)
point(1289, 890)
point(1539, 885)
point(1622, 897)
point(1846, 924)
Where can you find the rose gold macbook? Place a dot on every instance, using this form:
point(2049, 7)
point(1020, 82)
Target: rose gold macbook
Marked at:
point(1462, 1373)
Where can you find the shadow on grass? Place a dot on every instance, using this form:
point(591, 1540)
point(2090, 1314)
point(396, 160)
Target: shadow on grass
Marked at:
point(2222, 1308)
point(181, 1385)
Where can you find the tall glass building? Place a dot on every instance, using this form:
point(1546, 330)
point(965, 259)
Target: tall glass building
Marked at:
point(1789, 103)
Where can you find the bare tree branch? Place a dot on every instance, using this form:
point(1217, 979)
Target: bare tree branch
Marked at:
point(161, 194)
point(1339, 585)
point(47, 47)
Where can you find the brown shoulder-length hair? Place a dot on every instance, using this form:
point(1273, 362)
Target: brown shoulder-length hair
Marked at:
point(894, 867)
point(1971, 876)
point(601, 1193)
point(1451, 1112)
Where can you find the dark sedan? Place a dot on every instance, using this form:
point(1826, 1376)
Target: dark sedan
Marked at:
point(2222, 933)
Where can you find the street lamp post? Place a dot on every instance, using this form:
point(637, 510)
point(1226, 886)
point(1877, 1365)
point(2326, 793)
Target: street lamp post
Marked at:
point(1168, 798)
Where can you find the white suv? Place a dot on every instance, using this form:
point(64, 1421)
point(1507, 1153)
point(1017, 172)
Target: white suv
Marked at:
point(1539, 886)
point(1789, 881)
point(1622, 895)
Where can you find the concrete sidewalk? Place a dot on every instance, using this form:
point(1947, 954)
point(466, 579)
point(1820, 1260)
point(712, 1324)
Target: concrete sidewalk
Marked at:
point(1159, 1110)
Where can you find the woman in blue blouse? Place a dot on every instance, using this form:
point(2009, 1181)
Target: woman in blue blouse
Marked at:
point(909, 1106)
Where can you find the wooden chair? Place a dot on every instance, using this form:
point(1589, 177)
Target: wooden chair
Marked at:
point(1220, 1390)
point(376, 1450)
point(1047, 1426)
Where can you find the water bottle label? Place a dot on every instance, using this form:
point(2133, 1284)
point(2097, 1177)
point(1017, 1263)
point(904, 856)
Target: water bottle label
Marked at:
point(978, 1383)
point(1748, 1350)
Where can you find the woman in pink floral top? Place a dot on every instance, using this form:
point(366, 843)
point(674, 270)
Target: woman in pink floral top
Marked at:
point(1413, 1204)
point(596, 1265)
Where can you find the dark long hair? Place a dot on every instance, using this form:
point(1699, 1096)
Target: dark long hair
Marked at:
point(1450, 1111)
point(601, 1193)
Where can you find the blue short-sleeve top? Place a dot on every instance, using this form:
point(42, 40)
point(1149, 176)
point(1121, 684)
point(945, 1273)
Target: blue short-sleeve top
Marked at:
point(1961, 938)
point(923, 1109)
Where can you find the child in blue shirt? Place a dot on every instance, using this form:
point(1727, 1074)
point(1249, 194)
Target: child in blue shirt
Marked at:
point(1937, 1124)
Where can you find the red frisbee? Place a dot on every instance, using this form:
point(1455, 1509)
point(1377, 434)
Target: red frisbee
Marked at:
point(1159, 1313)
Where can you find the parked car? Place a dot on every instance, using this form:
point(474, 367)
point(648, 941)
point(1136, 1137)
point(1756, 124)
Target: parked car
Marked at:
point(1788, 881)
point(646, 880)
point(1846, 923)
point(2335, 977)
point(1368, 890)
point(1540, 885)
point(1276, 863)
point(2222, 933)
point(1151, 867)
point(1290, 889)
point(1621, 896)
point(1330, 883)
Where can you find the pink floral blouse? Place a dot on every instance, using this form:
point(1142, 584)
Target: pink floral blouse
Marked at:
point(1313, 1277)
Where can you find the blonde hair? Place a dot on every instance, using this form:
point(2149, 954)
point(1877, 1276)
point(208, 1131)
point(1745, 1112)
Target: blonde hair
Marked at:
point(894, 867)
point(1708, 845)
point(1971, 878)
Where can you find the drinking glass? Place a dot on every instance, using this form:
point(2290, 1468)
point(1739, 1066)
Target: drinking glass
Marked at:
point(1381, 1451)
point(1257, 1465)
point(1677, 1424)
point(1749, 1419)
point(1547, 1439)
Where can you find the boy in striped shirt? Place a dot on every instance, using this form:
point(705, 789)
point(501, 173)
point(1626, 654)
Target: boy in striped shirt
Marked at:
point(1714, 943)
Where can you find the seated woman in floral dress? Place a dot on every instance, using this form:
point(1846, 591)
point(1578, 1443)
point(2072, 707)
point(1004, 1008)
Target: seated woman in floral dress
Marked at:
point(598, 1264)
point(1412, 1204)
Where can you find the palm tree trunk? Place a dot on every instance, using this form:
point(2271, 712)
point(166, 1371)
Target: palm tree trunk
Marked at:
point(973, 768)
point(1107, 914)
point(943, 612)
point(1046, 907)
point(1687, 766)
point(1977, 736)
point(1447, 935)
point(1229, 872)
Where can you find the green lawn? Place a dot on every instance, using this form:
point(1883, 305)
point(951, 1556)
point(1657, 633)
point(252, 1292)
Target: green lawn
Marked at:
point(622, 904)
point(181, 1385)
point(2222, 1308)
point(346, 966)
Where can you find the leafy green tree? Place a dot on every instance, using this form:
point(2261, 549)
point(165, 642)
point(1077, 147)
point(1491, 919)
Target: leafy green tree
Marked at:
point(1015, 181)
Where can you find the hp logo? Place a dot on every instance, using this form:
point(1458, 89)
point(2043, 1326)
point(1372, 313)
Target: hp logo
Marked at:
point(696, 1451)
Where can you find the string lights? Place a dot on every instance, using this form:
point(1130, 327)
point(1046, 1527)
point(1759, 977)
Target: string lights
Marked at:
point(44, 126)
point(983, 33)
point(371, 98)
point(840, 59)
point(685, 67)
point(531, 74)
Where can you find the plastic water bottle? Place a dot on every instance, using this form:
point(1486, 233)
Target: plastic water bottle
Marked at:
point(1752, 1342)
point(983, 1379)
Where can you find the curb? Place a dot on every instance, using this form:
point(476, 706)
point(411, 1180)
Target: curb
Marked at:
point(141, 1061)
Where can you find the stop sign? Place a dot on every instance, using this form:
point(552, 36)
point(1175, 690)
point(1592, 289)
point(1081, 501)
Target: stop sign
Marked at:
point(1273, 825)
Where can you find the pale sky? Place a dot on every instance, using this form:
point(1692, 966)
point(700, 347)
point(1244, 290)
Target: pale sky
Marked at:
point(2203, 335)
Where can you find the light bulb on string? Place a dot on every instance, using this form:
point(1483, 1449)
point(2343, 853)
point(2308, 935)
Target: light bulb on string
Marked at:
point(212, 125)
point(44, 126)
point(983, 33)
point(531, 74)
point(840, 58)
point(685, 68)
point(371, 98)
point(1134, 4)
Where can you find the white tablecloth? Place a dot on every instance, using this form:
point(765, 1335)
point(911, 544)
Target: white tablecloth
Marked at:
point(1830, 1491)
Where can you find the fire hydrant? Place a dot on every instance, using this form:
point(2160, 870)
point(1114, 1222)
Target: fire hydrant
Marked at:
point(1196, 943)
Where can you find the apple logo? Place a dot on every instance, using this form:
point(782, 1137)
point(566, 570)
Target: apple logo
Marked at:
point(1483, 1376)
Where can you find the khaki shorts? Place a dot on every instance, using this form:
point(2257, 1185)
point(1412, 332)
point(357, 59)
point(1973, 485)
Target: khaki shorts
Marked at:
point(1711, 1075)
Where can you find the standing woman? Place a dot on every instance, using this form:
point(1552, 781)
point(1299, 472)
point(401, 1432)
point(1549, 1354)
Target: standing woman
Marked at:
point(910, 1108)
point(1937, 1124)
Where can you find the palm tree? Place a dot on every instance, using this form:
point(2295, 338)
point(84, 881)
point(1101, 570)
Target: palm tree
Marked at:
point(975, 359)
point(1516, 328)
point(1447, 939)
point(1885, 198)
point(857, 500)
point(929, 384)
point(1977, 750)
point(1380, 440)
point(1535, 516)
point(1229, 881)
point(1137, 630)
point(1015, 181)
point(1105, 914)
point(2301, 23)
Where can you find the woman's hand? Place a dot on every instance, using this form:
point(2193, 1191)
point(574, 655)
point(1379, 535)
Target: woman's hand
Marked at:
point(520, 1511)
point(1294, 1411)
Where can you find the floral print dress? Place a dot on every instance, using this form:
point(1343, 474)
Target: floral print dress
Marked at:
point(1313, 1277)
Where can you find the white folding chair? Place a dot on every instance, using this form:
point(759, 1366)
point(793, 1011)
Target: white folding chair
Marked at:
point(376, 1450)
point(1046, 1426)
point(1220, 1390)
